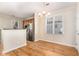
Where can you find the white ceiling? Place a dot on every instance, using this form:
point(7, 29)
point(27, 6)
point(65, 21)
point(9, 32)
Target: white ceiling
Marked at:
point(27, 9)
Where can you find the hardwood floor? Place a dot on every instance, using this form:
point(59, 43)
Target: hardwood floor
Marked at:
point(43, 48)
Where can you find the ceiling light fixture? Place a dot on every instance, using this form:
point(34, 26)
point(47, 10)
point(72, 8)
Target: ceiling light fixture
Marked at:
point(39, 14)
point(44, 13)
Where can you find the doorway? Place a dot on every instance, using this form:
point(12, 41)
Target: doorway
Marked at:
point(28, 24)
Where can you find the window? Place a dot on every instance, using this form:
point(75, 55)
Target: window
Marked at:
point(54, 25)
point(58, 25)
point(49, 25)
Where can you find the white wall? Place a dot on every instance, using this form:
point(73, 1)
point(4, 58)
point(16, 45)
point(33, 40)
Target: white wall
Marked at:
point(77, 18)
point(77, 24)
point(7, 21)
point(68, 38)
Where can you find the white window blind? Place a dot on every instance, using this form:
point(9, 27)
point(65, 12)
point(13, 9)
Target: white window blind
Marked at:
point(58, 25)
point(54, 25)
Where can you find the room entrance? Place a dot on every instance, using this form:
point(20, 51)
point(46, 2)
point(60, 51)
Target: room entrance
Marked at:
point(28, 24)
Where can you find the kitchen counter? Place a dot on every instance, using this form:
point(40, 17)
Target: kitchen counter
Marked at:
point(13, 39)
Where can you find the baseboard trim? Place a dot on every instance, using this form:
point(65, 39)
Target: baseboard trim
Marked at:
point(60, 43)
